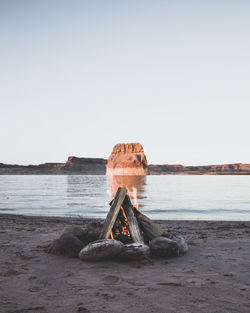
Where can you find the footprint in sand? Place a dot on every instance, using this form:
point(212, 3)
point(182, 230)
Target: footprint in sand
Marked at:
point(111, 280)
point(135, 283)
point(34, 289)
point(11, 273)
point(170, 283)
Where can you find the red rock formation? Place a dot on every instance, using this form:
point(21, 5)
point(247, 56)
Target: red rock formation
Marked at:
point(127, 159)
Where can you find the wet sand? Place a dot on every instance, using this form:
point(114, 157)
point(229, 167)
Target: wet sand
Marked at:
point(213, 277)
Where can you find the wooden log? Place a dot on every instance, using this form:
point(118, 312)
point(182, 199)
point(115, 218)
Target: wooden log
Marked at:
point(149, 227)
point(113, 212)
point(134, 228)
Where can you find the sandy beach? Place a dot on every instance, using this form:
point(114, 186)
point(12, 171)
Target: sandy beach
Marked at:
point(214, 276)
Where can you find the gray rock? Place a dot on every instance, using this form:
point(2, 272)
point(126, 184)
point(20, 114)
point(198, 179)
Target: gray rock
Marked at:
point(86, 234)
point(77, 231)
point(92, 232)
point(182, 245)
point(134, 251)
point(161, 247)
point(101, 250)
point(67, 244)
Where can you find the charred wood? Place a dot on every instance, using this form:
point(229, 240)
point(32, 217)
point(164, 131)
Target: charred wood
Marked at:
point(150, 229)
point(134, 228)
point(113, 212)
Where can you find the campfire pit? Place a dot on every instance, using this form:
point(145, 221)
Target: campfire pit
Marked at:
point(126, 234)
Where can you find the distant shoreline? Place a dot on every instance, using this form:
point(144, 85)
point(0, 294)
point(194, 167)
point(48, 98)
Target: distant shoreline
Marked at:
point(159, 174)
point(97, 166)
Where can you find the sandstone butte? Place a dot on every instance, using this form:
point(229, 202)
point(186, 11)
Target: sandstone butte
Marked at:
point(127, 159)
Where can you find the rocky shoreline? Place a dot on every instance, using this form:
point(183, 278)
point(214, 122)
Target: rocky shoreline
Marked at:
point(212, 277)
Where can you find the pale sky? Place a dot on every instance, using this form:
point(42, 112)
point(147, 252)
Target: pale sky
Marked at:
point(77, 77)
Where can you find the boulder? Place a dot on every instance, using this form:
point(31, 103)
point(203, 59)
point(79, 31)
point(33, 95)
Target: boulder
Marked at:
point(101, 250)
point(86, 234)
point(127, 159)
point(134, 251)
point(182, 245)
point(161, 247)
point(91, 232)
point(67, 244)
point(77, 231)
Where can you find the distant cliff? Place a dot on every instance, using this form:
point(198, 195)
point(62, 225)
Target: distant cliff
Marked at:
point(74, 165)
point(224, 169)
point(85, 165)
point(127, 159)
point(45, 168)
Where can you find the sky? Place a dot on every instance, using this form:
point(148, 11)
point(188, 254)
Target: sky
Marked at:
point(77, 77)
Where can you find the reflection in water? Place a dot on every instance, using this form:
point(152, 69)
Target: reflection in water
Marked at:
point(177, 197)
point(83, 185)
point(86, 194)
point(135, 185)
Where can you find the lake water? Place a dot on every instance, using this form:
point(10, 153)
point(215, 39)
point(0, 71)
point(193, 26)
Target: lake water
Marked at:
point(170, 197)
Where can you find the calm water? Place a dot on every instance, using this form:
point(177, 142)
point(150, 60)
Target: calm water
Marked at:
point(160, 197)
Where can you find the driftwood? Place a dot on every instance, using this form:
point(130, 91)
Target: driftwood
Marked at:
point(150, 229)
point(134, 229)
point(113, 212)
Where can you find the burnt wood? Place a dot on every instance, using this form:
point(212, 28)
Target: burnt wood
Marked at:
point(150, 228)
point(113, 212)
point(134, 228)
